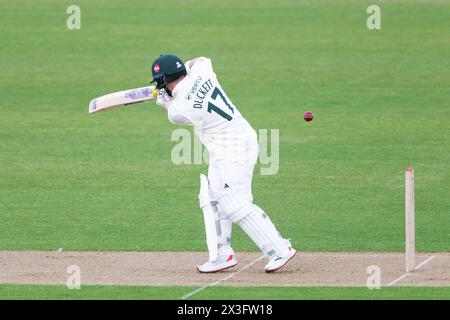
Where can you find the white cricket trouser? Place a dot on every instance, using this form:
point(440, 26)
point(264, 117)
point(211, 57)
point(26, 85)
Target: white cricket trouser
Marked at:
point(231, 184)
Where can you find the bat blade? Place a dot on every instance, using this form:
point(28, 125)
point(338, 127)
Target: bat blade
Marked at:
point(122, 98)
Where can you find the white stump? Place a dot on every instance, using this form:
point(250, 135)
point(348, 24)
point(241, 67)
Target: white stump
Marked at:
point(409, 221)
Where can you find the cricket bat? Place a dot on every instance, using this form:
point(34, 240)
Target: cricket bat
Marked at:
point(122, 98)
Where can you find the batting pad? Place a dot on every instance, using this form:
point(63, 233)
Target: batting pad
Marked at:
point(224, 227)
point(210, 217)
point(261, 230)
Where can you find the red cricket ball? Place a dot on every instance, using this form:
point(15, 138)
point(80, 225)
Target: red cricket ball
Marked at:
point(308, 116)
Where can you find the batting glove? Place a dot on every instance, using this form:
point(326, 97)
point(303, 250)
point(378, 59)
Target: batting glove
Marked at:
point(163, 99)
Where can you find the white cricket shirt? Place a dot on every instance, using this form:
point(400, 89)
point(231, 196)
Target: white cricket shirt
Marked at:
point(199, 100)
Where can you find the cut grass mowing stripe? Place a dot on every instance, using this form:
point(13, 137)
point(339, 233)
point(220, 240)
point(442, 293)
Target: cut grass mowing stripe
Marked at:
point(57, 292)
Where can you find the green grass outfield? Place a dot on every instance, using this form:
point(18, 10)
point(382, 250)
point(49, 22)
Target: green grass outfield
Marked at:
point(105, 182)
point(13, 292)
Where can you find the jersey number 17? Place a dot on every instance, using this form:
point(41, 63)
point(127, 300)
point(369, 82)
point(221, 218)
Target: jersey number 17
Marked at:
point(212, 107)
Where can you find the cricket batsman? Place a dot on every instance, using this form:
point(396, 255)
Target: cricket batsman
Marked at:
point(192, 95)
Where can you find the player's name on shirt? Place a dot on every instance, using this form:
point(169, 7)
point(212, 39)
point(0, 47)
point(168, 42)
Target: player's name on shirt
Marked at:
point(199, 91)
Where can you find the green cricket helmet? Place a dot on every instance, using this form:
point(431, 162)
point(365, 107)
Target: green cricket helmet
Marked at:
point(167, 68)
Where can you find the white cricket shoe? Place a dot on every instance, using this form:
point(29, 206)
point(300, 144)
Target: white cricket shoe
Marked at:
point(222, 263)
point(278, 262)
